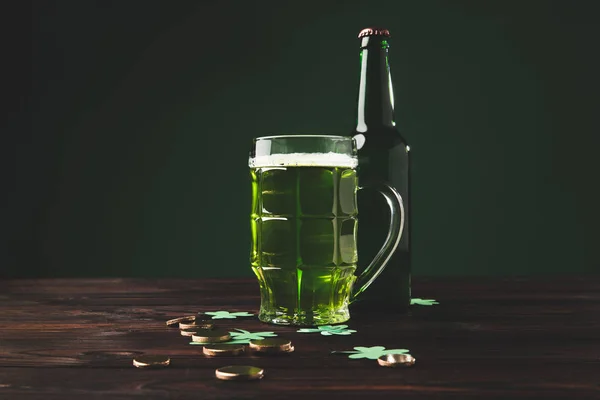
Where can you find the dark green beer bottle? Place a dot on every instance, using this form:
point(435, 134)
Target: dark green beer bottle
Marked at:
point(383, 156)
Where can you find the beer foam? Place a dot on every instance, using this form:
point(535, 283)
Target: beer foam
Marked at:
point(304, 160)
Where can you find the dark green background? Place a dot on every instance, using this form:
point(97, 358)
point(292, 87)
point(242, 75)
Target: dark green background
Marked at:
point(131, 155)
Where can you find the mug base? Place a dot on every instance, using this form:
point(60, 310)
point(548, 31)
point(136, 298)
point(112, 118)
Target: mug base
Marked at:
point(314, 318)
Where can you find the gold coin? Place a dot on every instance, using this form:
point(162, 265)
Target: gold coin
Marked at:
point(210, 336)
point(239, 372)
point(197, 324)
point(175, 321)
point(151, 361)
point(272, 345)
point(396, 360)
point(188, 332)
point(223, 349)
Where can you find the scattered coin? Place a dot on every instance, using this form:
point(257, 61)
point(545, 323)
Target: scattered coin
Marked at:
point(210, 336)
point(188, 332)
point(396, 360)
point(176, 321)
point(151, 361)
point(239, 372)
point(199, 324)
point(223, 349)
point(272, 345)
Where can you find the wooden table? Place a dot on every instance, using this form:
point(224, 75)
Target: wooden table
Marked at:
point(487, 339)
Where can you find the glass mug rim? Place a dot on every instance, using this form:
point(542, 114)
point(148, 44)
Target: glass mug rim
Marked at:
point(303, 150)
point(342, 137)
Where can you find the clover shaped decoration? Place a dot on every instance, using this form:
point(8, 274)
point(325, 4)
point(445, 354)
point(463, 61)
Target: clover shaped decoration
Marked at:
point(227, 314)
point(248, 336)
point(328, 330)
point(372, 353)
point(244, 337)
point(423, 302)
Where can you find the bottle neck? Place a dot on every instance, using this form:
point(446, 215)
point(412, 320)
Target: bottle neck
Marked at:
point(375, 92)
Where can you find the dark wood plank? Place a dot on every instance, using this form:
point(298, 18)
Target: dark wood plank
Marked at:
point(517, 338)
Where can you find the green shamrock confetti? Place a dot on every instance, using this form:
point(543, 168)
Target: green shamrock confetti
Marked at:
point(372, 353)
point(423, 302)
point(227, 314)
point(328, 330)
point(243, 337)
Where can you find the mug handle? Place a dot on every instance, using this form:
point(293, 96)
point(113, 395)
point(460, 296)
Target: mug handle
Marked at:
point(394, 201)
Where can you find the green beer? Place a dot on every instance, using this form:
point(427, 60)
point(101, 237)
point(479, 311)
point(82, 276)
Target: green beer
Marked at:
point(304, 225)
point(304, 242)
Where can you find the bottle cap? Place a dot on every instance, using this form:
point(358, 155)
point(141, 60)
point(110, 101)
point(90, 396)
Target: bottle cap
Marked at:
point(374, 32)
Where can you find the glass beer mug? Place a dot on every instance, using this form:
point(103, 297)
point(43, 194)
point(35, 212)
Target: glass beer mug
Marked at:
point(304, 223)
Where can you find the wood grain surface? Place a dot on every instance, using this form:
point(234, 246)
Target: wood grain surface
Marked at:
point(487, 339)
